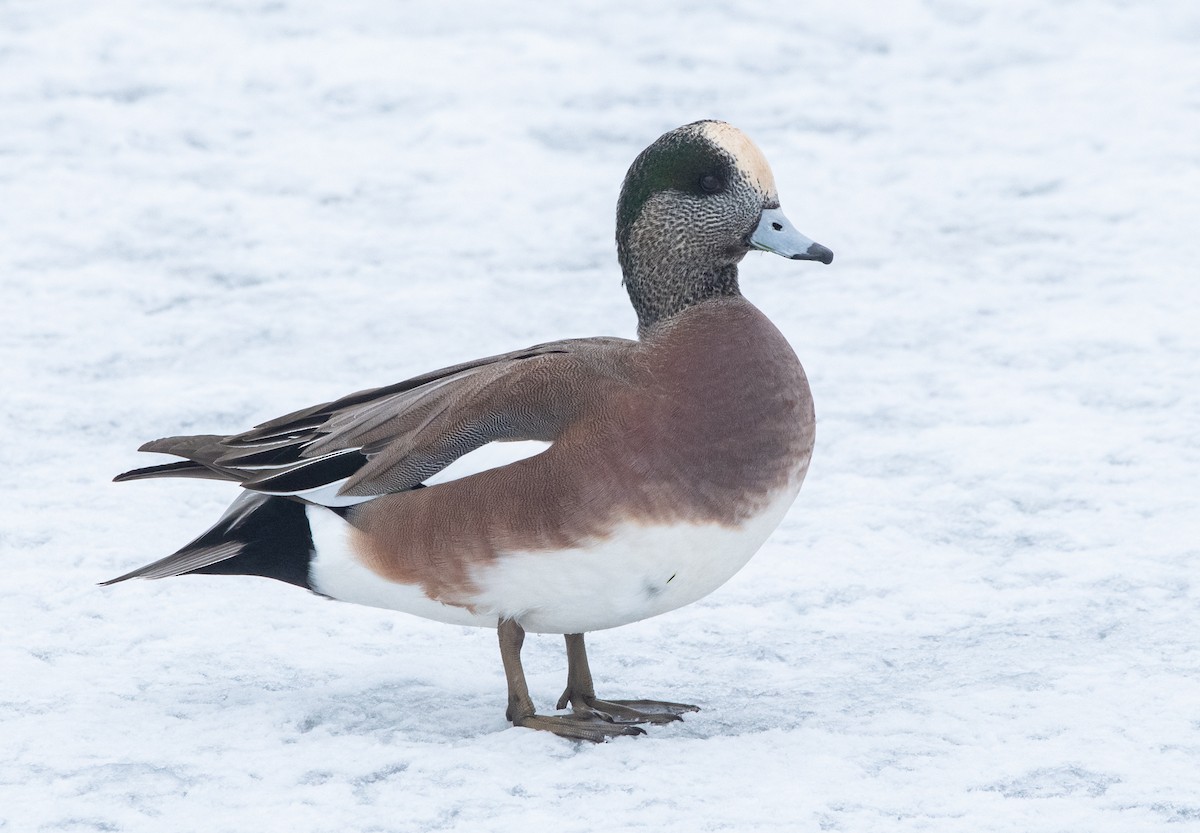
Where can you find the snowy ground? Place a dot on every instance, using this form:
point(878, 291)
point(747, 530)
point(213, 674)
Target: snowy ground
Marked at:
point(983, 612)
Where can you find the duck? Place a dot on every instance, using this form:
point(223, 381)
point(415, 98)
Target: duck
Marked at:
point(661, 463)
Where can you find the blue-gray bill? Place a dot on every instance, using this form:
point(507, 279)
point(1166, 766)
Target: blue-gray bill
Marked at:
point(775, 233)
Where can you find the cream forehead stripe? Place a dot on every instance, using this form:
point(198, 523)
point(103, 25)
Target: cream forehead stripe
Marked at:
point(749, 158)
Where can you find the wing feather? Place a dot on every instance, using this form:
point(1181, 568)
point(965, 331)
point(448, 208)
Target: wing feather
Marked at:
point(391, 439)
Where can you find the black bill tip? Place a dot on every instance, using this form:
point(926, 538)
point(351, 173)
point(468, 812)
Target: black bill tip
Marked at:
point(816, 252)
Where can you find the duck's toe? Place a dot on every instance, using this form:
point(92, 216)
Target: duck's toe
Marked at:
point(652, 710)
point(579, 726)
point(629, 711)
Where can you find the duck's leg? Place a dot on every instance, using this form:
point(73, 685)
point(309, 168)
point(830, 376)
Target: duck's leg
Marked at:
point(579, 726)
point(582, 696)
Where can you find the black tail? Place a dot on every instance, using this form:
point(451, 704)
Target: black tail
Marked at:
point(259, 535)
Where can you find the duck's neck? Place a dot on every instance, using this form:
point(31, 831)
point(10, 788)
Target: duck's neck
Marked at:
point(663, 287)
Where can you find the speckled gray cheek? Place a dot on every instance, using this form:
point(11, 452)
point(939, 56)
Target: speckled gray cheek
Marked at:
point(684, 249)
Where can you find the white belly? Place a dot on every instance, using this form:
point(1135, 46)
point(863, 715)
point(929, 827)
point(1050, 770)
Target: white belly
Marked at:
point(637, 572)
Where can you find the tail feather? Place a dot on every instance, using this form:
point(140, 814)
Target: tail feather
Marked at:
point(199, 447)
point(259, 535)
point(183, 468)
point(200, 453)
point(190, 559)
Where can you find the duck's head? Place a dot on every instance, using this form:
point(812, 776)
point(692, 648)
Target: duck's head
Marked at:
point(691, 206)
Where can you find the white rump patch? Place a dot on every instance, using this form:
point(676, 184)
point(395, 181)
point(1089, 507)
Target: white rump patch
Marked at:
point(750, 159)
point(336, 571)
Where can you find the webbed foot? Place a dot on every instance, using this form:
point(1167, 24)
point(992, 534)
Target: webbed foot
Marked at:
point(627, 711)
point(579, 726)
point(582, 696)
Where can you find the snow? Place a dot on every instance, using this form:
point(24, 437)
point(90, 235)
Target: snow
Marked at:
point(982, 612)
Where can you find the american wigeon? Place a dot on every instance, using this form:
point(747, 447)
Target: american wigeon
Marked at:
point(670, 458)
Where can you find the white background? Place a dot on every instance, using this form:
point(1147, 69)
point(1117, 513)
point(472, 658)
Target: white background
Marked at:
point(981, 614)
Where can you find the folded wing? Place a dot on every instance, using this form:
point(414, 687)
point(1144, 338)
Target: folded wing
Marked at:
point(391, 439)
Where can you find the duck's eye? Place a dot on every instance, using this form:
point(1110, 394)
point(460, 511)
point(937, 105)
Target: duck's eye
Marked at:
point(711, 183)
